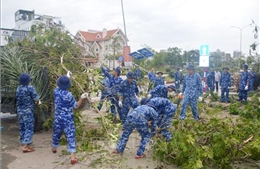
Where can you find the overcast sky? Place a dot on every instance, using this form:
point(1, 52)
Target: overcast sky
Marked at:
point(160, 24)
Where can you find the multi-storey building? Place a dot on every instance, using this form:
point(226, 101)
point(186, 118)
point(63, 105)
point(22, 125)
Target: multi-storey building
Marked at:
point(107, 46)
point(24, 20)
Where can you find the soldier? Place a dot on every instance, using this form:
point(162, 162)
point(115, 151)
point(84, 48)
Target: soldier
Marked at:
point(177, 78)
point(128, 91)
point(225, 84)
point(166, 110)
point(192, 90)
point(243, 84)
point(159, 80)
point(252, 77)
point(151, 75)
point(114, 82)
point(138, 74)
point(161, 91)
point(26, 97)
point(139, 119)
point(105, 91)
point(64, 119)
point(211, 81)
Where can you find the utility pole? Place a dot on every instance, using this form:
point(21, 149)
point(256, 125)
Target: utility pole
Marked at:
point(124, 20)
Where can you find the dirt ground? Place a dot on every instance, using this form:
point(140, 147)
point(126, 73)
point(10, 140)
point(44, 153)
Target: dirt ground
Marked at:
point(43, 158)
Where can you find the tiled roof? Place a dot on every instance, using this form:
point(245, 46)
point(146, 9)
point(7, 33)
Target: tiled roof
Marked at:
point(93, 36)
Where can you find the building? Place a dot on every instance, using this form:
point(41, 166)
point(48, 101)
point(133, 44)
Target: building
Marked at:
point(106, 45)
point(24, 20)
point(219, 54)
point(237, 54)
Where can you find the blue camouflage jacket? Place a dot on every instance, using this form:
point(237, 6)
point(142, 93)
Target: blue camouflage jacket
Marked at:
point(244, 79)
point(138, 72)
point(105, 86)
point(211, 81)
point(225, 80)
point(64, 102)
point(145, 113)
point(192, 86)
point(159, 91)
point(158, 81)
point(151, 76)
point(114, 82)
point(177, 77)
point(25, 97)
point(164, 107)
point(128, 90)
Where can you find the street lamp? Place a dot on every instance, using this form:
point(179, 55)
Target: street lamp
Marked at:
point(241, 29)
point(124, 19)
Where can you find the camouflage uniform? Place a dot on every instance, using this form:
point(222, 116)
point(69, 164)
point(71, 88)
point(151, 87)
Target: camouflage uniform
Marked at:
point(211, 81)
point(159, 91)
point(192, 89)
point(138, 119)
point(25, 97)
point(225, 83)
point(166, 110)
point(151, 76)
point(177, 79)
point(114, 87)
point(252, 77)
point(138, 74)
point(128, 91)
point(243, 82)
point(158, 81)
point(105, 91)
point(64, 118)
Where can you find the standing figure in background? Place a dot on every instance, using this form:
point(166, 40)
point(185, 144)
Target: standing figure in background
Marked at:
point(161, 91)
point(211, 81)
point(114, 82)
point(128, 91)
point(243, 84)
point(159, 80)
point(138, 74)
point(192, 90)
point(105, 90)
point(151, 75)
point(252, 77)
point(26, 97)
point(225, 84)
point(177, 79)
point(217, 79)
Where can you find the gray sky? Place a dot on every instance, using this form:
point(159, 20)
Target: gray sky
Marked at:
point(160, 24)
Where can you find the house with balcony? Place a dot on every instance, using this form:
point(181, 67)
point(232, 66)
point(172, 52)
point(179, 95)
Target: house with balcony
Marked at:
point(106, 46)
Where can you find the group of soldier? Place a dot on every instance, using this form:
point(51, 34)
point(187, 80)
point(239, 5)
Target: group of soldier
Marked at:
point(225, 82)
point(157, 110)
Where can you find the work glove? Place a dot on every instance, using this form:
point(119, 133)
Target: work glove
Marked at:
point(246, 88)
point(149, 95)
point(139, 99)
point(177, 82)
point(68, 74)
point(120, 103)
point(84, 95)
point(200, 98)
point(40, 102)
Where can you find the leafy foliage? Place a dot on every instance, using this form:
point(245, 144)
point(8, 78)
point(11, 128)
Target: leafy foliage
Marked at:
point(212, 144)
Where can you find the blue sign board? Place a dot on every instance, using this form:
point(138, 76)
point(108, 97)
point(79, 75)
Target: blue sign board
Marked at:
point(136, 55)
point(141, 54)
point(145, 52)
point(204, 50)
point(120, 58)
